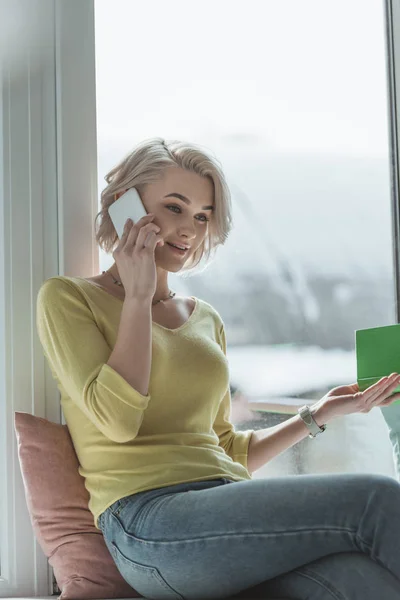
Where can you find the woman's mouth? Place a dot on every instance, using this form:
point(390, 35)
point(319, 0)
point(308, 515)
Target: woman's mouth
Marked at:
point(177, 250)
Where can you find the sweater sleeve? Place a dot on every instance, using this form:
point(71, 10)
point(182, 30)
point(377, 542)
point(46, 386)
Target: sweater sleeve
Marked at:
point(76, 352)
point(235, 443)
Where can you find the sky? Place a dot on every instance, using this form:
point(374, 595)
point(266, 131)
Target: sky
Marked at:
point(289, 75)
point(291, 97)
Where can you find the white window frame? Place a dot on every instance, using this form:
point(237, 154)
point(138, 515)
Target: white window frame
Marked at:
point(47, 210)
point(48, 201)
point(392, 23)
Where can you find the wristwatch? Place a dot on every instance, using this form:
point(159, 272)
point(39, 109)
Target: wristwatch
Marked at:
point(309, 422)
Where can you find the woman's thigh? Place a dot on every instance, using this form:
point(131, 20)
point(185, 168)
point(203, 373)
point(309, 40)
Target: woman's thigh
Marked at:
point(213, 539)
point(345, 576)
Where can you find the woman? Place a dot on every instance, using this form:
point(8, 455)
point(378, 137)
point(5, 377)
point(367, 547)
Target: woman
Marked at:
point(144, 384)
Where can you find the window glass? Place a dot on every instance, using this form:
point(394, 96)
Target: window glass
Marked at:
point(299, 123)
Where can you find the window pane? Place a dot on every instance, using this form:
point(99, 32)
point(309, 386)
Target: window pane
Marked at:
point(299, 123)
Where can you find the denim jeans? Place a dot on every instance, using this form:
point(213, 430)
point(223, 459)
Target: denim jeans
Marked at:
point(314, 537)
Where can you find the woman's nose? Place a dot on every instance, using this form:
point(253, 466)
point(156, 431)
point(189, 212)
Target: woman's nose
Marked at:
point(188, 230)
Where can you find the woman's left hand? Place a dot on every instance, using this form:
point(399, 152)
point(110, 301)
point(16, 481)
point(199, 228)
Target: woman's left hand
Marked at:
point(347, 399)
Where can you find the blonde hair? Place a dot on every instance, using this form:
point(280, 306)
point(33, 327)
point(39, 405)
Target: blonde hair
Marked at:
point(146, 164)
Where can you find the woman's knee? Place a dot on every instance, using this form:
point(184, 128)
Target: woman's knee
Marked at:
point(386, 488)
point(344, 576)
point(370, 486)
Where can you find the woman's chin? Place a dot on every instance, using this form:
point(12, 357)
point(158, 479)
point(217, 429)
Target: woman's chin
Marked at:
point(172, 266)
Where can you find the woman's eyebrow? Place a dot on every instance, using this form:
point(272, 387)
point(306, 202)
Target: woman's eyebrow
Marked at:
point(186, 200)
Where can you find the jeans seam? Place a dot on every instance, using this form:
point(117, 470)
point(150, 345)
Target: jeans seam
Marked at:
point(323, 582)
point(237, 535)
point(360, 538)
point(122, 503)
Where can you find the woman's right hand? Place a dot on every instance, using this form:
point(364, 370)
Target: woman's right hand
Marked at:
point(135, 260)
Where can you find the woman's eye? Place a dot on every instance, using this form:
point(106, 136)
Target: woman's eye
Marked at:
point(179, 209)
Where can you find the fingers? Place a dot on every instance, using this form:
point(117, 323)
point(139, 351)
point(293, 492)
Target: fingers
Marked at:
point(390, 400)
point(142, 234)
point(152, 240)
point(130, 228)
point(139, 231)
point(381, 390)
point(146, 233)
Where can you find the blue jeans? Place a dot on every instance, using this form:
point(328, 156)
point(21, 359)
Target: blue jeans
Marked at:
point(301, 537)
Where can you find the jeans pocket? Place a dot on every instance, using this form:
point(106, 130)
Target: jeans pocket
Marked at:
point(118, 506)
point(146, 580)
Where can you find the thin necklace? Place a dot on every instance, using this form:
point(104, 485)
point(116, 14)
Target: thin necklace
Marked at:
point(171, 294)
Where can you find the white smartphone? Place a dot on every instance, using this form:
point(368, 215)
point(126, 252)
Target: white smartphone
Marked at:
point(128, 206)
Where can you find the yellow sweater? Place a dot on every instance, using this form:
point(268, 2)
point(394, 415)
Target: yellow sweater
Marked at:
point(126, 442)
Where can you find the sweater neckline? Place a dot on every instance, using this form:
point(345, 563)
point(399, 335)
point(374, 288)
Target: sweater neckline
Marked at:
point(120, 300)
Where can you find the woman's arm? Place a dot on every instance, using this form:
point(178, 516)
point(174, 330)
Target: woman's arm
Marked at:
point(131, 356)
point(77, 354)
point(267, 443)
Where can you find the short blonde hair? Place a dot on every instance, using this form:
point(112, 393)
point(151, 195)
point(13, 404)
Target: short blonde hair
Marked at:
point(146, 164)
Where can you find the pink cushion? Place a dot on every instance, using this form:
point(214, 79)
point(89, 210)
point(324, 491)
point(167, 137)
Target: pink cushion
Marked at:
point(57, 501)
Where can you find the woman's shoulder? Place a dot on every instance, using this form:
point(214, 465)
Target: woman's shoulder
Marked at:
point(211, 310)
point(59, 281)
point(58, 287)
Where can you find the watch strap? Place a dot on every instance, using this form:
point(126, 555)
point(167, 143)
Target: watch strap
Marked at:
point(308, 420)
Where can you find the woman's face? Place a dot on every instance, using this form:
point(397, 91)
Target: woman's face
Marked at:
point(183, 221)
